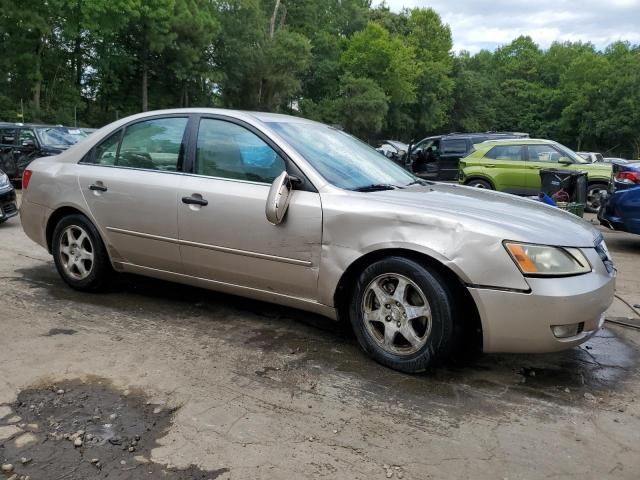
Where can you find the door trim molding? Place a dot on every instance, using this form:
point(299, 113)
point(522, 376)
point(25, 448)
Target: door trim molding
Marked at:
point(217, 248)
point(306, 304)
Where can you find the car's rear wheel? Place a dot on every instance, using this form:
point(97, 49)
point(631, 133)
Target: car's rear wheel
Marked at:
point(477, 183)
point(596, 193)
point(79, 254)
point(402, 314)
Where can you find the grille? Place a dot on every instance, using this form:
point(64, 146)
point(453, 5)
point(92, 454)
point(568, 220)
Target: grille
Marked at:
point(10, 208)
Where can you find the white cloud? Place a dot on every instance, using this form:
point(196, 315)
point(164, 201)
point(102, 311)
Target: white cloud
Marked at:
point(478, 24)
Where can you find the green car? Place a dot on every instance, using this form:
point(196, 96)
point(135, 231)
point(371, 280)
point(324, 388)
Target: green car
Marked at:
point(514, 166)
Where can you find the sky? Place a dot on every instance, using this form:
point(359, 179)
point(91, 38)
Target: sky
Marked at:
point(483, 24)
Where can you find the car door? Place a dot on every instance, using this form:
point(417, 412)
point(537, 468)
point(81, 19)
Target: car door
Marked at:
point(26, 149)
point(451, 150)
point(224, 233)
point(539, 157)
point(130, 183)
point(505, 166)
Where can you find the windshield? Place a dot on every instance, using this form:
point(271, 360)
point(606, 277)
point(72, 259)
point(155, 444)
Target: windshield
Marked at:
point(60, 137)
point(343, 160)
point(567, 152)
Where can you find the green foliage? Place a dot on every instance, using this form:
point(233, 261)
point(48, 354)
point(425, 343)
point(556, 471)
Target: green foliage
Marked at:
point(375, 72)
point(362, 106)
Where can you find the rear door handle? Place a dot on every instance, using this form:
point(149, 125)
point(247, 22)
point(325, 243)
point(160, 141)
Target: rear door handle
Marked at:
point(98, 188)
point(195, 201)
point(490, 165)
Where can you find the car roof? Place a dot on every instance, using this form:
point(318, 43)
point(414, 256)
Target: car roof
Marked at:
point(490, 134)
point(32, 125)
point(396, 143)
point(487, 144)
point(519, 141)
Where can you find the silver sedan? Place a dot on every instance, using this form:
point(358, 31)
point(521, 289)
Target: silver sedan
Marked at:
point(294, 212)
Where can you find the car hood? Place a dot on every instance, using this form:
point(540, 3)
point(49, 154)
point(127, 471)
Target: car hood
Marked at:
point(492, 213)
point(594, 167)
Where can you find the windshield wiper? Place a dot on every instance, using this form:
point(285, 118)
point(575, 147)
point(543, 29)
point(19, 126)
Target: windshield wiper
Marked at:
point(418, 182)
point(376, 187)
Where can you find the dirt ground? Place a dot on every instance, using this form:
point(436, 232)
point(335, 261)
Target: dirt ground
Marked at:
point(156, 380)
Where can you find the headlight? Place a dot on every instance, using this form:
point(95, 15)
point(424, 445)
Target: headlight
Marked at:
point(4, 180)
point(542, 260)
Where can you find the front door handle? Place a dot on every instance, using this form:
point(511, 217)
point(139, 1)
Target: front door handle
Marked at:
point(195, 201)
point(98, 188)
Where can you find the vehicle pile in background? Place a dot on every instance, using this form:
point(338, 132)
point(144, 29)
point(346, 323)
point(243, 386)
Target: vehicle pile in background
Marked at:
point(512, 162)
point(8, 206)
point(21, 143)
point(621, 209)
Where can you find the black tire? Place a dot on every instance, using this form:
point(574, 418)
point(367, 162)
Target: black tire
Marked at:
point(99, 269)
point(594, 197)
point(440, 300)
point(477, 183)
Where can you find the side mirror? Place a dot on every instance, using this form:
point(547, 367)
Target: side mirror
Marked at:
point(278, 199)
point(565, 161)
point(29, 143)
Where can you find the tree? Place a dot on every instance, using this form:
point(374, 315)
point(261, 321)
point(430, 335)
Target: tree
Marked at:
point(362, 106)
point(431, 40)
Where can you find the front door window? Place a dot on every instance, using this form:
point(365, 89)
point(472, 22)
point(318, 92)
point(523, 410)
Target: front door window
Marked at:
point(227, 150)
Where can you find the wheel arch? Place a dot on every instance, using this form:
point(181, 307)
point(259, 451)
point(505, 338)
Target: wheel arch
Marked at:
point(480, 177)
point(57, 215)
point(472, 324)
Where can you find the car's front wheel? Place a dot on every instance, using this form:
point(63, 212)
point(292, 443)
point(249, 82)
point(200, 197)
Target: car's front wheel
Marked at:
point(79, 254)
point(402, 314)
point(477, 183)
point(596, 193)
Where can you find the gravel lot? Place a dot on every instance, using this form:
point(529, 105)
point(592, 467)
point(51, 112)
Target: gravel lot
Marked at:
point(156, 380)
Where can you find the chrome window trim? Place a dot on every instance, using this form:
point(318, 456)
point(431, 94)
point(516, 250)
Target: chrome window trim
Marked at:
point(184, 174)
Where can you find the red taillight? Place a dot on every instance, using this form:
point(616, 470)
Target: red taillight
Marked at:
point(628, 177)
point(26, 176)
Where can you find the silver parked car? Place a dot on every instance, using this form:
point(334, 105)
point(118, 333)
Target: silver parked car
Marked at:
point(295, 212)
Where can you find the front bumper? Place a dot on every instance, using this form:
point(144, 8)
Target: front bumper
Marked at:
point(8, 205)
point(518, 322)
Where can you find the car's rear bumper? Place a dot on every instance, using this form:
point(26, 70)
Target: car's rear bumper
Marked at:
point(34, 221)
point(520, 322)
point(8, 205)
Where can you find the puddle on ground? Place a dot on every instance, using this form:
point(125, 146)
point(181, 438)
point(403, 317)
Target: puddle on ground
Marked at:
point(305, 352)
point(81, 430)
point(60, 331)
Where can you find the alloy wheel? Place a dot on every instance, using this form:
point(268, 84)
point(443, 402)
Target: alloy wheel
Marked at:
point(76, 252)
point(397, 314)
point(595, 196)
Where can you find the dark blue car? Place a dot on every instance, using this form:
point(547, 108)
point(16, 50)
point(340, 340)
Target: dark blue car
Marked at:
point(621, 210)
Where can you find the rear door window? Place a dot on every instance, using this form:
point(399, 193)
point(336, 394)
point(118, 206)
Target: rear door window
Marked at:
point(106, 151)
point(454, 146)
point(505, 152)
point(155, 144)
